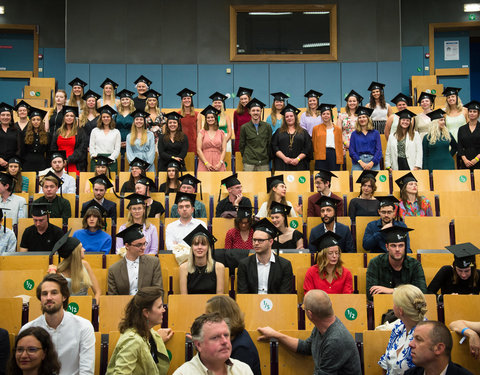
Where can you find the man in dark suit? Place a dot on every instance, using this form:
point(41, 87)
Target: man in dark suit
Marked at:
point(328, 206)
point(135, 270)
point(101, 184)
point(265, 272)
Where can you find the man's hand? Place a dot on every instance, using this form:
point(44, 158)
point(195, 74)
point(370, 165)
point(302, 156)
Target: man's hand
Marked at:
point(377, 289)
point(267, 333)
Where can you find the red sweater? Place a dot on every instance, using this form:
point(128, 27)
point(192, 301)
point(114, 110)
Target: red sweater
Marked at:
point(238, 121)
point(341, 285)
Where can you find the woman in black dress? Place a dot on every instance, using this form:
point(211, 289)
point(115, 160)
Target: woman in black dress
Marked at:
point(173, 145)
point(36, 143)
point(55, 115)
point(89, 117)
point(469, 138)
point(365, 204)
point(289, 238)
point(76, 95)
point(173, 183)
point(144, 186)
point(22, 109)
point(291, 144)
point(138, 167)
point(200, 274)
point(10, 136)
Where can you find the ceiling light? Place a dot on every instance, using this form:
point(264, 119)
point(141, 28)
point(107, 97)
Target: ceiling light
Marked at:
point(315, 45)
point(269, 13)
point(2, 9)
point(472, 7)
point(309, 13)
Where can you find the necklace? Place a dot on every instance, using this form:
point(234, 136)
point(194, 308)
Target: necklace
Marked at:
point(292, 137)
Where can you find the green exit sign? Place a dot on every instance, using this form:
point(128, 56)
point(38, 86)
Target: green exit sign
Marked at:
point(472, 17)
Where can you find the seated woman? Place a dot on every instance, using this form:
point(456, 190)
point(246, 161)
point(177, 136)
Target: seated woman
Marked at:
point(365, 204)
point(311, 117)
point(173, 145)
point(138, 167)
point(347, 120)
point(289, 238)
point(401, 101)
point(410, 307)
point(36, 143)
point(277, 191)
point(241, 236)
point(173, 183)
point(439, 146)
point(411, 204)
point(140, 349)
point(211, 143)
point(200, 274)
point(140, 141)
point(74, 268)
point(404, 148)
point(243, 347)
point(102, 164)
point(137, 214)
point(469, 138)
point(14, 169)
point(327, 141)
point(462, 277)
point(275, 118)
point(456, 114)
point(92, 236)
point(143, 187)
point(329, 274)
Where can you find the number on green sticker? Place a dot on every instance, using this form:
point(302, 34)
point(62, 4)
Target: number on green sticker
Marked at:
point(73, 308)
point(294, 224)
point(383, 178)
point(351, 313)
point(463, 178)
point(28, 284)
point(302, 179)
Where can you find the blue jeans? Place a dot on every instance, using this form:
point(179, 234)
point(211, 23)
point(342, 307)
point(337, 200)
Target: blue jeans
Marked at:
point(366, 158)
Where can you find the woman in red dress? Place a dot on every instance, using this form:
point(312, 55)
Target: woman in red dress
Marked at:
point(191, 122)
point(241, 115)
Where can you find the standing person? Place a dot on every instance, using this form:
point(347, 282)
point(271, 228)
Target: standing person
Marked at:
point(8, 241)
point(123, 118)
point(22, 109)
point(59, 206)
point(10, 136)
point(365, 204)
point(36, 142)
point(155, 119)
point(402, 102)
point(275, 119)
point(92, 235)
point(412, 204)
point(55, 116)
point(331, 345)
point(14, 205)
point(327, 141)
point(311, 117)
point(469, 138)
point(277, 191)
point(58, 164)
point(72, 335)
point(241, 115)
point(108, 95)
point(323, 180)
point(224, 121)
point(172, 184)
point(235, 199)
point(255, 139)
point(211, 143)
point(142, 84)
point(174, 144)
point(422, 121)
point(241, 235)
point(190, 120)
point(365, 145)
point(288, 238)
point(404, 148)
point(456, 113)
point(439, 146)
point(76, 95)
point(381, 109)
point(347, 120)
point(291, 144)
point(141, 142)
point(89, 117)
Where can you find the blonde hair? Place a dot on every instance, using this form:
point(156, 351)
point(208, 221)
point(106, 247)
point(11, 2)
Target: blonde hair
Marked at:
point(273, 113)
point(436, 134)
point(410, 130)
point(322, 262)
point(62, 130)
point(310, 112)
point(411, 300)
point(192, 110)
point(144, 218)
point(83, 118)
point(458, 106)
point(78, 273)
point(73, 100)
point(157, 108)
point(112, 97)
point(358, 127)
point(134, 134)
point(200, 239)
point(131, 107)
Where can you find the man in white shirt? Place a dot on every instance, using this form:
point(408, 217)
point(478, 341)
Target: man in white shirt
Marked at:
point(58, 163)
point(211, 337)
point(15, 206)
point(72, 336)
point(179, 229)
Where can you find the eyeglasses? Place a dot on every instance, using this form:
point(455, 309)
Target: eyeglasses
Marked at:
point(30, 350)
point(259, 240)
point(386, 212)
point(336, 253)
point(140, 245)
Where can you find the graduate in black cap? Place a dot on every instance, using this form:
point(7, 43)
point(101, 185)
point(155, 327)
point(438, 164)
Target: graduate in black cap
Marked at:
point(55, 115)
point(22, 108)
point(291, 144)
point(16, 205)
point(228, 206)
point(289, 238)
point(93, 235)
point(59, 206)
point(255, 139)
point(211, 143)
point(241, 115)
point(142, 84)
point(323, 181)
point(191, 121)
point(145, 186)
point(439, 145)
point(140, 142)
point(172, 183)
point(76, 95)
point(404, 147)
point(401, 102)
point(155, 118)
point(265, 272)
point(100, 185)
point(224, 120)
point(422, 122)
point(457, 114)
point(14, 169)
point(365, 204)
point(201, 274)
point(411, 203)
point(173, 145)
point(123, 118)
point(102, 164)
point(36, 142)
point(311, 117)
point(189, 185)
point(10, 136)
point(8, 241)
point(365, 146)
point(462, 277)
point(240, 236)
point(58, 165)
point(469, 138)
point(327, 141)
point(108, 95)
point(381, 109)
point(277, 191)
point(346, 120)
point(138, 167)
point(88, 118)
point(105, 139)
point(275, 118)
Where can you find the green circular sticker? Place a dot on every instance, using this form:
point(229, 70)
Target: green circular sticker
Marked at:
point(28, 284)
point(434, 91)
point(382, 178)
point(463, 178)
point(37, 93)
point(302, 179)
point(419, 69)
point(169, 353)
point(73, 308)
point(351, 313)
point(294, 224)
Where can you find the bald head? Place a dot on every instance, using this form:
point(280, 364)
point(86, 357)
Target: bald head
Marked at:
point(318, 302)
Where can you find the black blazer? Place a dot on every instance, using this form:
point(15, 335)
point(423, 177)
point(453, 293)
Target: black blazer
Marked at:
point(110, 206)
point(280, 278)
point(453, 369)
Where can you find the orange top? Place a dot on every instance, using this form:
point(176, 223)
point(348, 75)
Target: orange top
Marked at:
point(319, 141)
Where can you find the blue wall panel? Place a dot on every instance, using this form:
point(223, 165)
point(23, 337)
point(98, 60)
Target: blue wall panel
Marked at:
point(358, 76)
point(176, 78)
point(152, 71)
point(11, 88)
point(463, 38)
point(254, 76)
point(20, 56)
point(289, 79)
point(53, 64)
point(390, 73)
point(412, 61)
point(213, 78)
point(325, 78)
point(462, 82)
point(72, 71)
point(98, 73)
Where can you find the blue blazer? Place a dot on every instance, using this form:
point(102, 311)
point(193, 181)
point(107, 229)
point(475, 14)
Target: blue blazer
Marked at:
point(346, 243)
point(110, 207)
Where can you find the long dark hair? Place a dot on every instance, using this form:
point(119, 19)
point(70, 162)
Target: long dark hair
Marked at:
point(50, 364)
point(472, 280)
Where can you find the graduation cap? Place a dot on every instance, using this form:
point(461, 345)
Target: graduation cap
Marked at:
point(24, 104)
point(255, 103)
point(142, 164)
point(266, 226)
point(200, 230)
point(280, 96)
point(326, 201)
point(244, 91)
point(405, 113)
point(57, 154)
point(146, 181)
point(136, 199)
point(185, 92)
point(152, 94)
point(107, 109)
point(279, 208)
point(174, 116)
point(90, 94)
point(131, 233)
point(325, 175)
point(6, 179)
point(65, 245)
point(244, 212)
point(447, 91)
point(210, 110)
point(51, 174)
point(109, 81)
point(326, 107)
point(395, 234)
point(143, 79)
point(366, 174)
point(4, 107)
point(326, 240)
point(231, 181)
point(464, 254)
point(473, 105)
point(102, 160)
point(426, 95)
point(77, 82)
point(290, 108)
point(355, 94)
point(436, 114)
point(405, 179)
point(313, 94)
point(181, 196)
point(69, 108)
point(387, 200)
point(188, 179)
point(364, 111)
point(125, 94)
point(376, 86)
point(15, 160)
point(139, 113)
point(401, 98)
point(178, 165)
point(101, 179)
point(218, 96)
point(40, 209)
point(274, 181)
point(37, 112)
point(94, 204)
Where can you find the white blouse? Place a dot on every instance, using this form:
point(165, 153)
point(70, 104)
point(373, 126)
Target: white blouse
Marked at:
point(101, 143)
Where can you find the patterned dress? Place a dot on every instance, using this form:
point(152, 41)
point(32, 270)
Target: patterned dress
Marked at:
point(397, 358)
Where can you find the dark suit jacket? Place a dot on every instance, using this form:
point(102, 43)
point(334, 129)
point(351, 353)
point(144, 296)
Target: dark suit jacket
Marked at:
point(110, 206)
point(346, 242)
point(453, 369)
point(149, 274)
point(280, 278)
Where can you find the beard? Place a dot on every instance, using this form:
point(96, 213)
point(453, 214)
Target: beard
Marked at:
point(53, 309)
point(328, 219)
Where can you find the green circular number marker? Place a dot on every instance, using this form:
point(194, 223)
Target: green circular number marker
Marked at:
point(382, 178)
point(419, 69)
point(294, 224)
point(462, 178)
point(28, 284)
point(351, 313)
point(434, 91)
point(73, 308)
point(37, 93)
point(302, 179)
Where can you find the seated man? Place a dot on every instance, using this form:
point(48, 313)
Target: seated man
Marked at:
point(135, 270)
point(59, 206)
point(228, 206)
point(15, 206)
point(100, 185)
point(58, 162)
point(72, 336)
point(373, 240)
point(189, 186)
point(328, 207)
point(42, 235)
point(265, 272)
point(8, 241)
point(179, 229)
point(386, 271)
point(323, 180)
